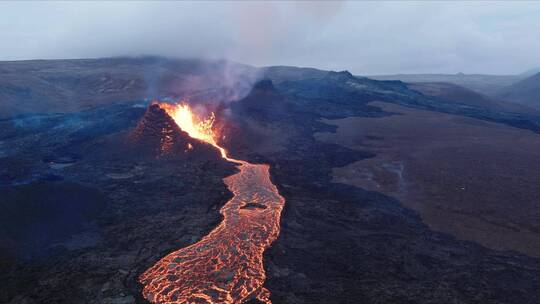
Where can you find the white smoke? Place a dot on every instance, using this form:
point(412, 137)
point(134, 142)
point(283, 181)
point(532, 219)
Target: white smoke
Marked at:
point(214, 82)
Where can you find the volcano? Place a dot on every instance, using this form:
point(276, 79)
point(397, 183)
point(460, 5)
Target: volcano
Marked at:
point(316, 187)
point(157, 134)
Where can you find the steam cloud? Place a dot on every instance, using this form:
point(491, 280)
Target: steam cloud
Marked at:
point(364, 38)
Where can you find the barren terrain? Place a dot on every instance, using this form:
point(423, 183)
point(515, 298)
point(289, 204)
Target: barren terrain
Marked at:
point(474, 179)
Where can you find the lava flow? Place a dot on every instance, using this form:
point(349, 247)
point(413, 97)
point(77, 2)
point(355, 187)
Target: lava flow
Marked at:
point(225, 266)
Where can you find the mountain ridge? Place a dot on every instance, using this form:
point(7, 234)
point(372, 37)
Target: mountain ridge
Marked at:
point(525, 92)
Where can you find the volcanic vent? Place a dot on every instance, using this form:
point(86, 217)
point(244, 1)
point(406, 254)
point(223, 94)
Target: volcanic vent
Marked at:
point(225, 266)
point(158, 134)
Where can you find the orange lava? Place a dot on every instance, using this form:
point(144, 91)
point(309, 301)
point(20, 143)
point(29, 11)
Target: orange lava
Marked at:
point(225, 266)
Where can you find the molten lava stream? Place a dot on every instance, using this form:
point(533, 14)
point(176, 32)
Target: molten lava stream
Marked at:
point(225, 266)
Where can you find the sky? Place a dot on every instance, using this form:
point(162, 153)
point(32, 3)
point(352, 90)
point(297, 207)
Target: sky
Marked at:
point(365, 38)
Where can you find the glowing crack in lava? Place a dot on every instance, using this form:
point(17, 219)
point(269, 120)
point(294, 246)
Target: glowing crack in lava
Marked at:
point(225, 266)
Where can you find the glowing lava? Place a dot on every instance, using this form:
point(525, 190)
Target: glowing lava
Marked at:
point(225, 266)
point(196, 128)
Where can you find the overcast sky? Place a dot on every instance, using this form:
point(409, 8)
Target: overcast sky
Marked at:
point(362, 37)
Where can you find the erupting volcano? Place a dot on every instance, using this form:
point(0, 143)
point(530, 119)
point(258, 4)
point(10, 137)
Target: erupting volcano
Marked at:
point(225, 266)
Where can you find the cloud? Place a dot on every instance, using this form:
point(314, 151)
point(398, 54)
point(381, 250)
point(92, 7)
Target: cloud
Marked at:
point(363, 37)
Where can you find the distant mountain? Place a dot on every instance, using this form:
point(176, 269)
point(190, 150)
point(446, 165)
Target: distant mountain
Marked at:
point(49, 86)
point(530, 72)
point(453, 93)
point(289, 73)
point(526, 92)
point(61, 86)
point(485, 84)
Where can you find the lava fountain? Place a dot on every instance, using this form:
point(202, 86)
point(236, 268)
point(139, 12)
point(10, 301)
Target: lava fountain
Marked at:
point(225, 266)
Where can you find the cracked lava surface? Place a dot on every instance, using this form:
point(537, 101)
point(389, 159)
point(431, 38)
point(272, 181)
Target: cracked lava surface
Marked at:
point(225, 266)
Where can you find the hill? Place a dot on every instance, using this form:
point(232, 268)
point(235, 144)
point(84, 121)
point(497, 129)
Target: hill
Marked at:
point(289, 73)
point(526, 92)
point(530, 72)
point(64, 86)
point(453, 93)
point(484, 84)
point(50, 86)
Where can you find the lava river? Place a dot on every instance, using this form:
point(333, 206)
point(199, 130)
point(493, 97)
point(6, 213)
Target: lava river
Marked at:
point(225, 266)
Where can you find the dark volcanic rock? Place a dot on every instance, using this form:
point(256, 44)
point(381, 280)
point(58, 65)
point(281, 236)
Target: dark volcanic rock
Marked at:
point(37, 214)
point(155, 125)
point(339, 76)
point(265, 84)
point(115, 212)
point(340, 244)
